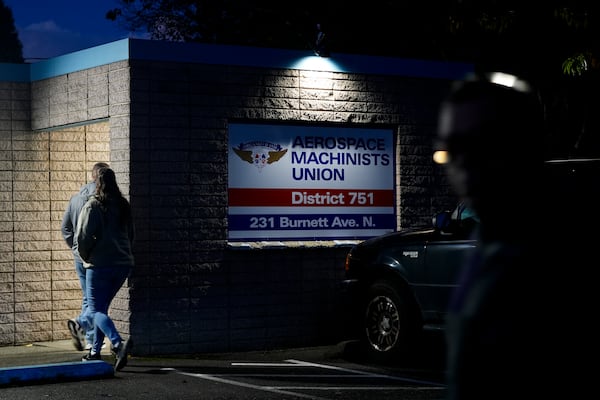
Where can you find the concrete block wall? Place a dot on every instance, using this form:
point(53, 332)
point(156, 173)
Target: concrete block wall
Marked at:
point(87, 114)
point(15, 316)
point(73, 151)
point(191, 292)
point(163, 127)
point(52, 132)
point(40, 171)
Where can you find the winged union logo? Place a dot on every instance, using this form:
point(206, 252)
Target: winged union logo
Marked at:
point(260, 153)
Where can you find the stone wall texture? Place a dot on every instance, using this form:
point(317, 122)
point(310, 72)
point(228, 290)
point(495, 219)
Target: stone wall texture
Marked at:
point(163, 128)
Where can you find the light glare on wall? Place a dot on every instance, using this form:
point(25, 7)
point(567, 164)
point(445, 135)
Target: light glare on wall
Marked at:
point(317, 63)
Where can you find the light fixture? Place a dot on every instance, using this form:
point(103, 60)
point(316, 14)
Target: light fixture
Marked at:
point(509, 80)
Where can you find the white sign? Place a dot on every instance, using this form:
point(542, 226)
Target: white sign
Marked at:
point(309, 183)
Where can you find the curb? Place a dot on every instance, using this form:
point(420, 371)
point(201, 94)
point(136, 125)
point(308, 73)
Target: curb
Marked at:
point(14, 376)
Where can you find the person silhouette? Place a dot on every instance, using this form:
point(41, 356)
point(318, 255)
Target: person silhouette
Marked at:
point(104, 241)
point(80, 327)
point(498, 344)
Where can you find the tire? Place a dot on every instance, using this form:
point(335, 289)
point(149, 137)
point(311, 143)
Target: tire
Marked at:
point(389, 326)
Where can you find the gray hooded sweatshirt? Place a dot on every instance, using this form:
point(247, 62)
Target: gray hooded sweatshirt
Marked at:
point(71, 215)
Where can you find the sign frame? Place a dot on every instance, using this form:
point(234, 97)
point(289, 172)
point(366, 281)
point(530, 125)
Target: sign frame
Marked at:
point(290, 182)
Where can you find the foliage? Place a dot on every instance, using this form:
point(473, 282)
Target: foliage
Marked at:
point(504, 35)
point(11, 48)
point(553, 43)
point(252, 22)
point(575, 65)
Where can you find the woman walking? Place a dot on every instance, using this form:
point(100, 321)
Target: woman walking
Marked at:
point(104, 239)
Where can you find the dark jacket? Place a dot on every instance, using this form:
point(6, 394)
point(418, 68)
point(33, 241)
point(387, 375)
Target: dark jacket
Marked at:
point(101, 238)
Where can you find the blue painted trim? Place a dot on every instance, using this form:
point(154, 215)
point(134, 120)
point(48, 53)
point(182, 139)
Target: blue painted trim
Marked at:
point(80, 60)
point(46, 372)
point(293, 59)
point(404, 67)
point(153, 50)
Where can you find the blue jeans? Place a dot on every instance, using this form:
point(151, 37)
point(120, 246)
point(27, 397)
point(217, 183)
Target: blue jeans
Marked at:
point(103, 283)
point(83, 318)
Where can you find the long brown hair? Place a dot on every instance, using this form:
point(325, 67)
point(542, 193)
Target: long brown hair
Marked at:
point(108, 190)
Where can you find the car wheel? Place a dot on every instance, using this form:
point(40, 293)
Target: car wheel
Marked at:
point(387, 325)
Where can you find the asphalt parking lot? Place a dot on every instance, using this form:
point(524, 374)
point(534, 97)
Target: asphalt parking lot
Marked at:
point(326, 372)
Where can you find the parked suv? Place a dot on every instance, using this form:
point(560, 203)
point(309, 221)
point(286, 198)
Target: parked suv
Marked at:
point(399, 283)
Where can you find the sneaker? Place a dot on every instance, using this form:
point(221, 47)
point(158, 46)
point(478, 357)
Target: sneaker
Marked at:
point(91, 357)
point(77, 334)
point(121, 352)
point(88, 346)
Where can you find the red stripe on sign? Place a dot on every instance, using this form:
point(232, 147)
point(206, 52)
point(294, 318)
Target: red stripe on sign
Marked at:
point(310, 198)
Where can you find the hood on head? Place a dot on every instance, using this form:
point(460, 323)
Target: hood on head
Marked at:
point(88, 189)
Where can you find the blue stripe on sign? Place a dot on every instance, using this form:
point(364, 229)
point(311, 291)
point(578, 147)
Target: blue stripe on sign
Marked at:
point(311, 222)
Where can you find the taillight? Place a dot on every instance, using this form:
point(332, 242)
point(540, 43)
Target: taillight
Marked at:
point(347, 263)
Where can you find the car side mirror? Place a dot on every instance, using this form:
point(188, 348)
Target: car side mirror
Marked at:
point(441, 220)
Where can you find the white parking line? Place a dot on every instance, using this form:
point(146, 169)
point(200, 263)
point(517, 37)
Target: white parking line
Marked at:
point(365, 374)
point(287, 390)
point(370, 388)
point(257, 364)
point(247, 385)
